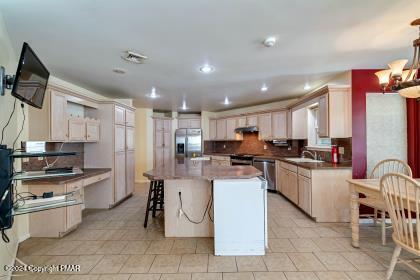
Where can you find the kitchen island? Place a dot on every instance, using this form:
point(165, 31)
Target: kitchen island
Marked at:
point(204, 200)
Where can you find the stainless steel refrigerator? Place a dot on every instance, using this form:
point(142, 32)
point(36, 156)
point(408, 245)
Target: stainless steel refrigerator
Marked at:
point(188, 142)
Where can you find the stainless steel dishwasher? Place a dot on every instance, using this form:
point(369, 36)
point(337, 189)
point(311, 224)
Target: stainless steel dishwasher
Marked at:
point(268, 168)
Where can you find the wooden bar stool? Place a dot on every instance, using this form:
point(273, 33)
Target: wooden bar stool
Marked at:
point(155, 199)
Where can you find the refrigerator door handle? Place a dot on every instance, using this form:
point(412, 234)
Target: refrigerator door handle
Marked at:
point(186, 147)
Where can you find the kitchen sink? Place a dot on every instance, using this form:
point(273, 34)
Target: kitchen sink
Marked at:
point(303, 160)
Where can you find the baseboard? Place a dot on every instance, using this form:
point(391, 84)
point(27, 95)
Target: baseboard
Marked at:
point(23, 238)
point(142, 181)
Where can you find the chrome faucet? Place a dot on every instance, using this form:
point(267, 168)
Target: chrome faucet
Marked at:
point(313, 155)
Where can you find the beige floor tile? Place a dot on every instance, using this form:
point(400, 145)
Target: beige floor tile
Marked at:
point(160, 247)
point(177, 276)
point(149, 276)
point(250, 263)
point(222, 264)
point(362, 261)
point(114, 277)
point(194, 263)
point(327, 232)
point(304, 223)
point(58, 260)
point(306, 262)
point(113, 234)
point(364, 275)
point(401, 275)
point(184, 246)
point(29, 276)
point(298, 275)
point(112, 247)
point(281, 245)
point(136, 247)
point(332, 275)
point(282, 232)
point(207, 276)
point(133, 234)
point(205, 246)
point(165, 264)
point(334, 261)
point(86, 234)
point(269, 275)
point(63, 248)
point(138, 264)
point(87, 248)
point(84, 277)
point(304, 245)
point(87, 262)
point(328, 245)
point(109, 264)
point(303, 232)
point(278, 262)
point(238, 276)
point(284, 222)
point(44, 276)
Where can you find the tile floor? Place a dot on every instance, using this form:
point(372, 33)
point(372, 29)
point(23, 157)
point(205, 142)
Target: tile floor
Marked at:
point(112, 244)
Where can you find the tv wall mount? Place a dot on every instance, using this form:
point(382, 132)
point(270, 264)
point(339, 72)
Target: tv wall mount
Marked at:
point(6, 81)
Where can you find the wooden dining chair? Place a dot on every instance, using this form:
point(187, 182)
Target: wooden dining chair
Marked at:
point(381, 168)
point(401, 195)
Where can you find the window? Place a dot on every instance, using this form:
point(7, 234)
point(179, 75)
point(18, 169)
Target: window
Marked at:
point(313, 138)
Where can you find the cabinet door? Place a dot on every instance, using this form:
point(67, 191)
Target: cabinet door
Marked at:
point(158, 157)
point(221, 129)
point(195, 123)
point(77, 129)
point(129, 132)
point(264, 125)
point(305, 194)
point(59, 119)
point(252, 120)
point(240, 122)
point(300, 124)
point(74, 213)
point(323, 116)
point(230, 129)
point(92, 131)
point(119, 138)
point(167, 125)
point(279, 125)
point(129, 118)
point(119, 115)
point(167, 144)
point(282, 186)
point(293, 187)
point(183, 123)
point(212, 129)
point(130, 172)
point(159, 123)
point(120, 186)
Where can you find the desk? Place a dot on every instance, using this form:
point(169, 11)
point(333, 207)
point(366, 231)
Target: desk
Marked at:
point(368, 187)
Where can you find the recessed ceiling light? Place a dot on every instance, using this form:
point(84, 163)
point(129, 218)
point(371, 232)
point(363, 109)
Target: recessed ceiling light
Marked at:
point(184, 106)
point(264, 88)
point(119, 70)
point(152, 94)
point(307, 87)
point(134, 57)
point(227, 101)
point(206, 69)
point(269, 41)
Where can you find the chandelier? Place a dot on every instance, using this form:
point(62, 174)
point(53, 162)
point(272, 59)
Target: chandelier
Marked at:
point(405, 82)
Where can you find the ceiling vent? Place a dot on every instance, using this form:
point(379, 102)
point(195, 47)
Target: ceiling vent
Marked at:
point(134, 57)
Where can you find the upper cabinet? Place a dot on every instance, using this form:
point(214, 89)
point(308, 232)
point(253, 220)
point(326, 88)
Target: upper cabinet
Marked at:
point(241, 122)
point(189, 123)
point(119, 115)
point(212, 130)
point(279, 125)
point(264, 126)
point(130, 118)
point(59, 122)
point(300, 123)
point(252, 120)
point(221, 129)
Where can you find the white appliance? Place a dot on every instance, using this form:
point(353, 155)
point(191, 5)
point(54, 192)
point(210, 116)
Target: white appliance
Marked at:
point(240, 217)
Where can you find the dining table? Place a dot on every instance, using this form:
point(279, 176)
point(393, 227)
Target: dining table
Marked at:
point(370, 188)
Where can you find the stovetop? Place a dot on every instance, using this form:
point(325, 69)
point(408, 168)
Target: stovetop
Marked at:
point(243, 156)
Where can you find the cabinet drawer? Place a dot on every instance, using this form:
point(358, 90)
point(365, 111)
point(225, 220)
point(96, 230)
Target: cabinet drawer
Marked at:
point(221, 158)
point(74, 186)
point(97, 178)
point(304, 172)
point(289, 166)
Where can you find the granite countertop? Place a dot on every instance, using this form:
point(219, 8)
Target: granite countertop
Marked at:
point(218, 154)
point(312, 165)
point(87, 172)
point(189, 169)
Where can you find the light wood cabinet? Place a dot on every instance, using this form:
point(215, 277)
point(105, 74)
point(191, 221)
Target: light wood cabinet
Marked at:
point(130, 118)
point(195, 123)
point(293, 190)
point(189, 123)
point(74, 213)
point(221, 129)
point(120, 176)
point(323, 116)
point(119, 138)
point(264, 125)
point(58, 118)
point(252, 120)
point(279, 125)
point(241, 122)
point(281, 179)
point(305, 194)
point(77, 129)
point(212, 130)
point(130, 171)
point(300, 123)
point(230, 129)
point(119, 115)
point(129, 133)
point(162, 141)
point(92, 130)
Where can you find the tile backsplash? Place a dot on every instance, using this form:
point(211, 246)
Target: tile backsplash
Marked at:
point(67, 161)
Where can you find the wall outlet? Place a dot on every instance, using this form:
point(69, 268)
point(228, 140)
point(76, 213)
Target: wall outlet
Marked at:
point(25, 159)
point(224, 146)
point(40, 158)
point(289, 148)
point(265, 147)
point(341, 150)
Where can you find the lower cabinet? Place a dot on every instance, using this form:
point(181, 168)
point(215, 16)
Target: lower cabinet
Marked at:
point(305, 194)
point(120, 176)
point(292, 187)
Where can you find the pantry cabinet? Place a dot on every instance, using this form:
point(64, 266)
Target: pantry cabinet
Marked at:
point(120, 176)
point(162, 141)
point(119, 115)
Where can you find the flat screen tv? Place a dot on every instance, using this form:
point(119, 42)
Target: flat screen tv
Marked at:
point(31, 78)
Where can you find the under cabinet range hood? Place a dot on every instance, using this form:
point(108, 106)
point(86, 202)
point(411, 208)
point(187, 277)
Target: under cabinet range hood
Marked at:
point(246, 129)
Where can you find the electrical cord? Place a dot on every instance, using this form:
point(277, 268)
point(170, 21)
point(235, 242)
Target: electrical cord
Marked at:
point(23, 124)
point(8, 121)
point(48, 165)
point(205, 211)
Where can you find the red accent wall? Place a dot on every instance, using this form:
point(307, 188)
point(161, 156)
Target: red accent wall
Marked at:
point(362, 82)
point(413, 136)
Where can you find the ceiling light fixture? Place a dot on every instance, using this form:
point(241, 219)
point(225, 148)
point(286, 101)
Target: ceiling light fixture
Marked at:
point(227, 101)
point(264, 88)
point(133, 57)
point(270, 41)
point(206, 69)
point(406, 82)
point(152, 94)
point(306, 87)
point(184, 106)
